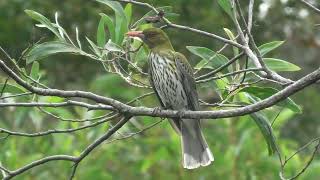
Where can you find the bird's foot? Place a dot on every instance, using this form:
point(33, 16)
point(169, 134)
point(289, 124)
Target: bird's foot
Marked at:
point(181, 113)
point(157, 110)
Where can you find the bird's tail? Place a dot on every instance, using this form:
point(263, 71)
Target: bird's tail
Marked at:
point(195, 150)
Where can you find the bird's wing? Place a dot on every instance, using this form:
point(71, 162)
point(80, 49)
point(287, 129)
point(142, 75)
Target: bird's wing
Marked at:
point(185, 72)
point(175, 123)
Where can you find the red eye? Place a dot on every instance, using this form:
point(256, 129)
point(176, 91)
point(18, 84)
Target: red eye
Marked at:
point(151, 34)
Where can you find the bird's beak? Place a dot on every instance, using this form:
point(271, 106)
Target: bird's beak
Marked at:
point(135, 34)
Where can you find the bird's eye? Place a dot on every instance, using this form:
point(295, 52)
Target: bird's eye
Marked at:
point(151, 34)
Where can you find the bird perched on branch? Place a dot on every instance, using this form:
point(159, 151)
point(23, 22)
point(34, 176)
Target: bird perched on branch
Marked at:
point(171, 77)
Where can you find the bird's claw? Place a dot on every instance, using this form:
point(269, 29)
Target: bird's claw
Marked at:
point(180, 114)
point(157, 110)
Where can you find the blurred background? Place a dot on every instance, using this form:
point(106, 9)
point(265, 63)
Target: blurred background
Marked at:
point(239, 149)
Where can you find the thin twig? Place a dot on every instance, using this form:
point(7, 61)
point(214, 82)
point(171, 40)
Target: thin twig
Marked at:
point(220, 68)
point(4, 87)
point(16, 95)
point(275, 118)
point(72, 120)
point(211, 58)
point(58, 131)
point(316, 149)
point(97, 142)
point(5, 53)
point(229, 74)
point(186, 28)
point(305, 81)
point(135, 133)
point(310, 6)
point(62, 104)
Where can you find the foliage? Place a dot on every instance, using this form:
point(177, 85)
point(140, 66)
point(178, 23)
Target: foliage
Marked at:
point(241, 145)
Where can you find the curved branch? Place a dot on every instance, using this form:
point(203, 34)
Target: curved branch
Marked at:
point(60, 93)
point(97, 142)
point(16, 95)
point(257, 60)
point(11, 174)
point(143, 111)
point(130, 111)
point(230, 74)
point(310, 6)
point(62, 104)
point(316, 149)
point(221, 67)
point(186, 28)
point(75, 160)
point(255, 54)
point(57, 131)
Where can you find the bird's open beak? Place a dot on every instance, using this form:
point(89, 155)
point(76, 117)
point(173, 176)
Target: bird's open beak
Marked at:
point(135, 34)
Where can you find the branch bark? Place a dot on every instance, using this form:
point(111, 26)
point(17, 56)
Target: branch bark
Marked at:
point(129, 111)
point(144, 111)
point(75, 159)
point(310, 6)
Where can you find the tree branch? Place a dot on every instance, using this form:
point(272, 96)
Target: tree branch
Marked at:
point(221, 67)
point(283, 164)
point(57, 131)
point(97, 142)
point(39, 162)
point(75, 160)
point(310, 6)
point(257, 59)
point(143, 111)
point(186, 28)
point(230, 74)
point(62, 104)
point(128, 111)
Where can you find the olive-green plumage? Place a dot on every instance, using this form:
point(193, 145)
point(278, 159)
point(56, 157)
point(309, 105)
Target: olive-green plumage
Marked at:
point(171, 77)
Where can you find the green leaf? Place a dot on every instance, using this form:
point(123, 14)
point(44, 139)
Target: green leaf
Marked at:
point(60, 112)
point(121, 28)
point(128, 12)
point(232, 38)
point(94, 47)
point(52, 99)
point(116, 6)
point(202, 52)
point(280, 65)
point(265, 92)
point(220, 86)
point(46, 49)
point(266, 48)
point(266, 131)
point(110, 46)
point(121, 20)
point(101, 34)
point(111, 28)
point(141, 57)
point(78, 39)
point(229, 34)
point(213, 63)
point(44, 21)
point(236, 65)
point(13, 89)
point(226, 6)
point(35, 70)
point(215, 60)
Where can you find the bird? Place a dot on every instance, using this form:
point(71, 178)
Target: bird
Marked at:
point(171, 77)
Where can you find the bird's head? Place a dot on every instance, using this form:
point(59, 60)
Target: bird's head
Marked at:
point(155, 38)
